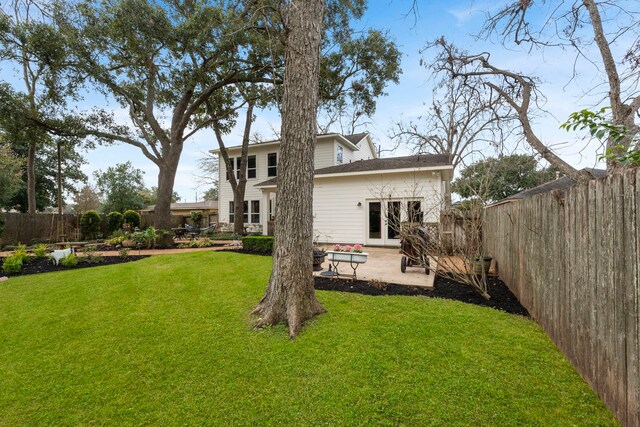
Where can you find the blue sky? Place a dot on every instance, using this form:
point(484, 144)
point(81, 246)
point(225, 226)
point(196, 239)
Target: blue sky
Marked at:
point(457, 21)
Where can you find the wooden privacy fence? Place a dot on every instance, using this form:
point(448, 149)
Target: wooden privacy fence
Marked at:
point(573, 263)
point(40, 227)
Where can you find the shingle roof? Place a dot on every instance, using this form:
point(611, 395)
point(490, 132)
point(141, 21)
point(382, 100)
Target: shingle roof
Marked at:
point(557, 184)
point(390, 163)
point(355, 138)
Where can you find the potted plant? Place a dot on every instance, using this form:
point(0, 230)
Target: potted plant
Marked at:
point(318, 258)
point(482, 264)
point(348, 253)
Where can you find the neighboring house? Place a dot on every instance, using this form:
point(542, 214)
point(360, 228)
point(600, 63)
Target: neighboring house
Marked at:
point(559, 184)
point(209, 209)
point(357, 197)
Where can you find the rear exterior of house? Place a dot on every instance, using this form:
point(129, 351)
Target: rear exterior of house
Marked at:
point(358, 198)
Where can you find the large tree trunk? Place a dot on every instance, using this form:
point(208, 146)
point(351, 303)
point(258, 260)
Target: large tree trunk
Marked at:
point(166, 179)
point(59, 184)
point(238, 207)
point(290, 295)
point(31, 178)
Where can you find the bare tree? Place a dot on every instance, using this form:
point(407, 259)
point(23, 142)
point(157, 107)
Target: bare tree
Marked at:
point(517, 90)
point(290, 295)
point(465, 117)
point(578, 26)
point(462, 118)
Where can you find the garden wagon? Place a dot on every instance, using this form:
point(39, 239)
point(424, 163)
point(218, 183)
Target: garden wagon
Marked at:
point(414, 249)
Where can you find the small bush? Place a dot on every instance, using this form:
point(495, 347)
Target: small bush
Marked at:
point(132, 218)
point(146, 238)
point(21, 252)
point(69, 261)
point(124, 253)
point(258, 244)
point(12, 264)
point(114, 221)
point(90, 255)
point(204, 243)
point(114, 241)
point(196, 218)
point(90, 224)
point(40, 251)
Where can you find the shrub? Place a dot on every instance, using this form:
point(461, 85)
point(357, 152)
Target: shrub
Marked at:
point(114, 241)
point(204, 243)
point(90, 224)
point(258, 244)
point(41, 251)
point(12, 264)
point(146, 238)
point(21, 252)
point(90, 255)
point(132, 218)
point(124, 253)
point(69, 261)
point(114, 221)
point(2, 222)
point(196, 218)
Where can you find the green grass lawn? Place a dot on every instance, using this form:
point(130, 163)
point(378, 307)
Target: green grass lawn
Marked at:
point(168, 340)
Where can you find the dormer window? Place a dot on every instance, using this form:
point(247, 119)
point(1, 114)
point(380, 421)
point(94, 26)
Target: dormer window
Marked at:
point(272, 164)
point(339, 155)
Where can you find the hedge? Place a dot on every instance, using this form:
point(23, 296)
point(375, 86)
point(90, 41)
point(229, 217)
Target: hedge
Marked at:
point(258, 244)
point(132, 218)
point(90, 224)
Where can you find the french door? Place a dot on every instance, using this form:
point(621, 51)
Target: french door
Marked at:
point(383, 222)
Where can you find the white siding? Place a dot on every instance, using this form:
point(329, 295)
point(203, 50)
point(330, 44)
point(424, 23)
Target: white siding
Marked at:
point(364, 152)
point(225, 194)
point(348, 154)
point(339, 219)
point(324, 154)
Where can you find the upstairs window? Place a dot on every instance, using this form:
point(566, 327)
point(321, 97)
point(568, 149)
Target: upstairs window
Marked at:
point(272, 164)
point(251, 167)
point(339, 155)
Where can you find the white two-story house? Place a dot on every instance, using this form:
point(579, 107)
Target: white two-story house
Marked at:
point(357, 197)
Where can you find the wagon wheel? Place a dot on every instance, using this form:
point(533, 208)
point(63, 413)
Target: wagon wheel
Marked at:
point(426, 264)
point(403, 264)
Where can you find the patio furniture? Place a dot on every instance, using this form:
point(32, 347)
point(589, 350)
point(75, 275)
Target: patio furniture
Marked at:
point(179, 233)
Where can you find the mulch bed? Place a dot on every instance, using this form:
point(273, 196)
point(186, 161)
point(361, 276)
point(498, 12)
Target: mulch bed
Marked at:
point(501, 297)
point(45, 265)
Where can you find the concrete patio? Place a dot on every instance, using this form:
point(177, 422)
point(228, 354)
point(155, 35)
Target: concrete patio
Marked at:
point(383, 265)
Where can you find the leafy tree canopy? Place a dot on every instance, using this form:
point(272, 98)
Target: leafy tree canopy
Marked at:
point(10, 172)
point(494, 179)
point(46, 174)
point(121, 186)
point(150, 196)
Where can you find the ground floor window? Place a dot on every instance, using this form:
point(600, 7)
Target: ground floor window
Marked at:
point(254, 214)
point(255, 211)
